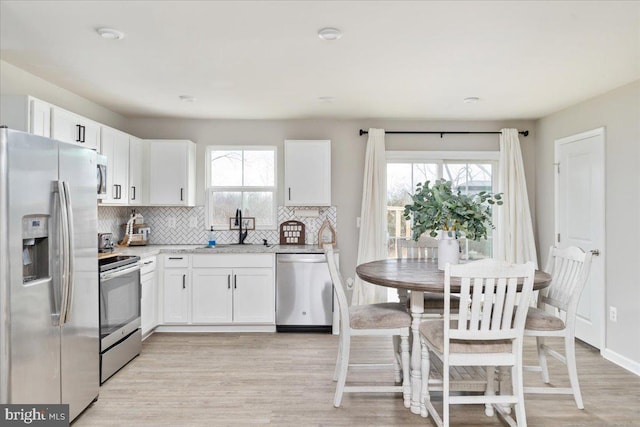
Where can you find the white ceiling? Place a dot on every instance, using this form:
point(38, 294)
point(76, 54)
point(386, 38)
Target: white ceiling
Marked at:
point(264, 60)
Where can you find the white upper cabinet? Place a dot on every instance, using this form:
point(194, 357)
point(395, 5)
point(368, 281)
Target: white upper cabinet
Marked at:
point(69, 127)
point(138, 190)
point(307, 173)
point(27, 114)
point(115, 146)
point(172, 173)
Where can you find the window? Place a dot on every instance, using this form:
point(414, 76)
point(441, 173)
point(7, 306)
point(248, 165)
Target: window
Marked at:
point(471, 172)
point(241, 178)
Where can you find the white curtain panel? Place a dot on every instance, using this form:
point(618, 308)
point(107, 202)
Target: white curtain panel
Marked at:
point(372, 244)
point(515, 240)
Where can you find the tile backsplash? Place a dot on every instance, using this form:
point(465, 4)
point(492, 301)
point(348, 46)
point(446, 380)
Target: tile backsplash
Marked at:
point(183, 226)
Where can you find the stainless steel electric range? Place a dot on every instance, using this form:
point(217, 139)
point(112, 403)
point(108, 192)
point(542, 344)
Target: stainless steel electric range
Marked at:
point(120, 336)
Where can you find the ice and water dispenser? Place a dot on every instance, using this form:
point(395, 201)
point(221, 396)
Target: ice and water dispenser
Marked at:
point(35, 247)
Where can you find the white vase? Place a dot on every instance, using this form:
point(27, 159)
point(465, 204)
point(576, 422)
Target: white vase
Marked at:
point(448, 250)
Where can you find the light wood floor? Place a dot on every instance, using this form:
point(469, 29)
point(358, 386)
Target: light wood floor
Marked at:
point(286, 380)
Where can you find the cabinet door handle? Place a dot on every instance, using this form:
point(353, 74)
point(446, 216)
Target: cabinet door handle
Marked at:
point(79, 133)
point(181, 194)
point(83, 131)
point(115, 191)
point(235, 282)
point(184, 281)
point(228, 281)
point(133, 192)
point(119, 191)
point(289, 193)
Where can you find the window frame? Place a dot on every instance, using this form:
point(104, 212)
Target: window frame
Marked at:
point(442, 157)
point(209, 189)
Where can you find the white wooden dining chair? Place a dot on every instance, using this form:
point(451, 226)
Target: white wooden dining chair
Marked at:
point(569, 269)
point(488, 332)
point(384, 319)
point(425, 248)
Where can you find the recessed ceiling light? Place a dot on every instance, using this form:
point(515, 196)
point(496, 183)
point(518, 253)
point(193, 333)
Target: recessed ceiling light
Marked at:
point(326, 99)
point(471, 100)
point(329, 33)
point(187, 98)
point(110, 33)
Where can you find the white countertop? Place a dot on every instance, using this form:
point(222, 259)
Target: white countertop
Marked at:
point(152, 250)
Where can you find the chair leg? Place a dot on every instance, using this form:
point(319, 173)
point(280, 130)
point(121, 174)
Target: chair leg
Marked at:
point(542, 357)
point(518, 390)
point(425, 371)
point(397, 363)
point(406, 380)
point(490, 390)
point(344, 366)
point(445, 393)
point(338, 359)
point(570, 354)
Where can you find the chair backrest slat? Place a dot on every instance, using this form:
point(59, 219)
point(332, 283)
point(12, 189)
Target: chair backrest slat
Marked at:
point(569, 270)
point(488, 309)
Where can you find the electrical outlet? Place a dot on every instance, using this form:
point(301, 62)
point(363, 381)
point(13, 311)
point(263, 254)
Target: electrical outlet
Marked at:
point(193, 222)
point(171, 222)
point(613, 314)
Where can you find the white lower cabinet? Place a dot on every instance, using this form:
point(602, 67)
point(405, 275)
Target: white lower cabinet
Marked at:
point(149, 296)
point(176, 296)
point(220, 289)
point(212, 298)
point(253, 294)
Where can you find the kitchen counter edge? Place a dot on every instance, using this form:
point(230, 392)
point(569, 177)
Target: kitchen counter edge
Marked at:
point(153, 250)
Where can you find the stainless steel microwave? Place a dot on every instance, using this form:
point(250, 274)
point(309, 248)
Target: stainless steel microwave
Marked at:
point(102, 176)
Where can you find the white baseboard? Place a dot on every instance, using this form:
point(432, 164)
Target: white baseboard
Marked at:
point(622, 361)
point(216, 328)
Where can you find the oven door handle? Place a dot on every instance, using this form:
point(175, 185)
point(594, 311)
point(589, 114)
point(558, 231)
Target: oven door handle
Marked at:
point(109, 275)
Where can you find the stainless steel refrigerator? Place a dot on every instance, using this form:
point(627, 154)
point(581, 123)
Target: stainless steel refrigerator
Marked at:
point(48, 272)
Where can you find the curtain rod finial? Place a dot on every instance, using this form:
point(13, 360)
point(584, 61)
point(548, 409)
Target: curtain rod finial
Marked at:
point(525, 133)
point(362, 132)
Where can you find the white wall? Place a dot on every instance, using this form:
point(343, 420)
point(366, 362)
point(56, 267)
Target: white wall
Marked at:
point(347, 156)
point(619, 112)
point(15, 81)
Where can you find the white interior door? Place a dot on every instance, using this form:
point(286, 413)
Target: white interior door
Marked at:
point(580, 211)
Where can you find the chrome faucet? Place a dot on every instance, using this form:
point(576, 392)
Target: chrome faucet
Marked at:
point(238, 221)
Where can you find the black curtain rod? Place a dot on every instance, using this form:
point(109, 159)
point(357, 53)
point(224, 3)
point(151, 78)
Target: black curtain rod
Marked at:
point(441, 133)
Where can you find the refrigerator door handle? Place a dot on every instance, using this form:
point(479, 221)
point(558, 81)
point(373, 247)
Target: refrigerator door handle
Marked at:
point(64, 277)
point(70, 251)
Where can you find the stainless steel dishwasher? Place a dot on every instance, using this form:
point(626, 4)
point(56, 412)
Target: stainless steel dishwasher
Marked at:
point(304, 293)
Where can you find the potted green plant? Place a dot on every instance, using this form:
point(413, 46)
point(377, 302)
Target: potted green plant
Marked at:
point(448, 213)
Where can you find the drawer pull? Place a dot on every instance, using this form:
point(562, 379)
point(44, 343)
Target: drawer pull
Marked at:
point(175, 257)
point(148, 262)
